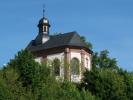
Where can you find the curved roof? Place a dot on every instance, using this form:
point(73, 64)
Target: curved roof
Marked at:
point(43, 20)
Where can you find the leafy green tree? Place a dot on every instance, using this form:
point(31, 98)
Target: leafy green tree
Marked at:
point(13, 85)
point(86, 95)
point(25, 79)
point(128, 80)
point(129, 85)
point(27, 68)
point(4, 92)
point(105, 84)
point(64, 91)
point(102, 60)
point(88, 44)
point(106, 80)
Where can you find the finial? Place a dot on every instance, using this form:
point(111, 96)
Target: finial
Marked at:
point(43, 10)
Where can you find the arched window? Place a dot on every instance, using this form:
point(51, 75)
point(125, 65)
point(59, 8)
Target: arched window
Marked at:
point(56, 65)
point(75, 66)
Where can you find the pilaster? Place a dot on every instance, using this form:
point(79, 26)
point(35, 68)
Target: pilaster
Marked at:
point(82, 61)
point(67, 64)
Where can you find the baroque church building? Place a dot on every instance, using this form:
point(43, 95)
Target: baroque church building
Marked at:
point(66, 53)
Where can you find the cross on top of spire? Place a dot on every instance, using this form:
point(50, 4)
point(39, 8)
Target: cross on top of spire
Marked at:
point(43, 10)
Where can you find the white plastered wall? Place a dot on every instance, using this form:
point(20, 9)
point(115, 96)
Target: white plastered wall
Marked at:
point(73, 54)
point(45, 39)
point(38, 59)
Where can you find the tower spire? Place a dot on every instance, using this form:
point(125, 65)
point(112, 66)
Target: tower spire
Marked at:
point(43, 27)
point(43, 24)
point(43, 10)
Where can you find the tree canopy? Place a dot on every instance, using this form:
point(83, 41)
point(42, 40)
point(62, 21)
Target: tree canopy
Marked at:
point(25, 79)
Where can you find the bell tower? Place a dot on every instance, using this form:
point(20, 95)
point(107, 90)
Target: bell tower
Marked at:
point(43, 28)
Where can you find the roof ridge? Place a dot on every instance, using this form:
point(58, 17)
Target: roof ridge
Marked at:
point(70, 32)
point(58, 34)
point(74, 33)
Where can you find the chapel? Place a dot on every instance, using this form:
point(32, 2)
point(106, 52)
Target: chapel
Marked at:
point(66, 53)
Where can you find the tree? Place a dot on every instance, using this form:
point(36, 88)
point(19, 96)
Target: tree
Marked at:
point(106, 80)
point(105, 84)
point(64, 91)
point(102, 60)
point(25, 79)
point(27, 69)
point(12, 86)
point(4, 92)
point(128, 80)
point(88, 44)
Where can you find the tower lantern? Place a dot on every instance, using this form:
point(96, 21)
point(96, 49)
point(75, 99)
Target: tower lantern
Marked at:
point(43, 26)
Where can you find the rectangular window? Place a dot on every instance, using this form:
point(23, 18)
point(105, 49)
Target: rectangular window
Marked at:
point(44, 29)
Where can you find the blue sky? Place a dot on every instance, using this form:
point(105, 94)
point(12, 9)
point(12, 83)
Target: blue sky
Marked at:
point(107, 24)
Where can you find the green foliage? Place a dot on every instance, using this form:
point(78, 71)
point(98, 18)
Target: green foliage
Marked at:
point(4, 92)
point(105, 84)
point(64, 91)
point(12, 87)
point(27, 69)
point(88, 44)
point(86, 95)
point(25, 79)
point(106, 80)
point(128, 79)
point(102, 60)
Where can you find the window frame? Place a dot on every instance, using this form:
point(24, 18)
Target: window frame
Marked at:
point(56, 66)
point(75, 66)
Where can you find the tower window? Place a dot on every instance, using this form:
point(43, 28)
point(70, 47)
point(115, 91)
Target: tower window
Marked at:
point(44, 29)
